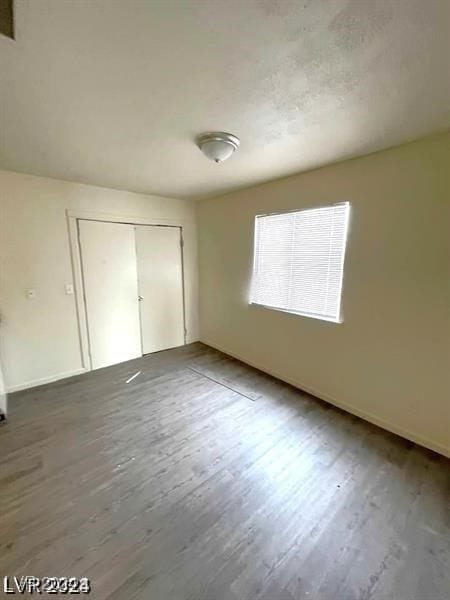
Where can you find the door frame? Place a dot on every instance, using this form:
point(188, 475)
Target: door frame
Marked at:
point(73, 216)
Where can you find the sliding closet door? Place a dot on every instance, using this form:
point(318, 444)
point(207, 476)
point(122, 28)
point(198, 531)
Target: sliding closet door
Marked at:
point(160, 277)
point(108, 256)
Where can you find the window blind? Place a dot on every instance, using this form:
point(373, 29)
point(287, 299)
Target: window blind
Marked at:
point(299, 261)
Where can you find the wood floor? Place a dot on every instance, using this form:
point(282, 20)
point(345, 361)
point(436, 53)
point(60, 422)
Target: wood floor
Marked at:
point(202, 478)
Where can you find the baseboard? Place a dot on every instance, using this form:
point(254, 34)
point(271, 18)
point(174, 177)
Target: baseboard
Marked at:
point(409, 435)
point(43, 381)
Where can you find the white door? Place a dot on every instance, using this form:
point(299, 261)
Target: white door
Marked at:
point(108, 255)
point(160, 277)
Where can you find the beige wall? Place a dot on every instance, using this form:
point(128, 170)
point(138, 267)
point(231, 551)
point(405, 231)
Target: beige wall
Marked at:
point(39, 338)
point(390, 360)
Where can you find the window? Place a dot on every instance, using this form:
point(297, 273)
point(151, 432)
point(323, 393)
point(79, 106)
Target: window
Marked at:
point(299, 261)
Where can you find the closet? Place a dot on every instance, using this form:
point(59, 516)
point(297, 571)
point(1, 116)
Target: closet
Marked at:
point(133, 289)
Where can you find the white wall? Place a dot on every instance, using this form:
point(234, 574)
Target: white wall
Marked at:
point(39, 338)
point(390, 360)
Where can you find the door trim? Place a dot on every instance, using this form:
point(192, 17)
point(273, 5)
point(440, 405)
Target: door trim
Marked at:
point(75, 253)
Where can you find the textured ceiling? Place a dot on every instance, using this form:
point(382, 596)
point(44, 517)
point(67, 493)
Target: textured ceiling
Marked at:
point(113, 92)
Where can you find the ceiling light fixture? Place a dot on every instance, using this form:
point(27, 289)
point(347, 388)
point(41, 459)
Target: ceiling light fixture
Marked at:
point(218, 145)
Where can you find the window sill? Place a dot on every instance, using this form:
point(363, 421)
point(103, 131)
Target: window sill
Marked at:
point(298, 314)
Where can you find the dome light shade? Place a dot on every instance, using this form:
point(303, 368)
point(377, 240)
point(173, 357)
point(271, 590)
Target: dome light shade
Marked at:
point(218, 145)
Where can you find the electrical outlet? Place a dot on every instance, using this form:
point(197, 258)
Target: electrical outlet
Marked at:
point(69, 289)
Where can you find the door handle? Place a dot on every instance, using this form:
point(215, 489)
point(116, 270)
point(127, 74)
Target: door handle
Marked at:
point(140, 298)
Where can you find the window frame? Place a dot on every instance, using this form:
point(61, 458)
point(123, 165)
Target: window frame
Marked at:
point(340, 319)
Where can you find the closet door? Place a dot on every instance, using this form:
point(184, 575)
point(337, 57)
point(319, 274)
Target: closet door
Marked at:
point(160, 277)
point(108, 257)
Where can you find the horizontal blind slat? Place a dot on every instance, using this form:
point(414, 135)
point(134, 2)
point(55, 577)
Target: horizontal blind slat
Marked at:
point(298, 260)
